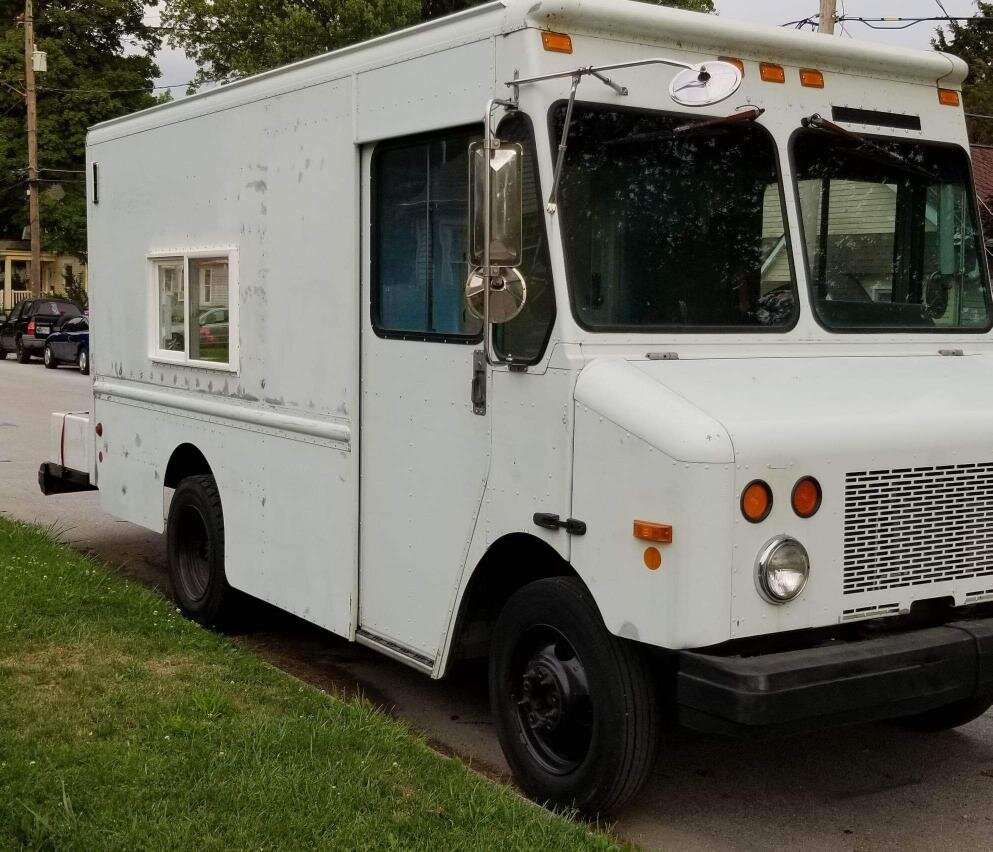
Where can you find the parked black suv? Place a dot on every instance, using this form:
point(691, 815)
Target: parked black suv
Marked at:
point(27, 328)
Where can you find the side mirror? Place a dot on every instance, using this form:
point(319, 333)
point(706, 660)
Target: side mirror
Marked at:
point(505, 172)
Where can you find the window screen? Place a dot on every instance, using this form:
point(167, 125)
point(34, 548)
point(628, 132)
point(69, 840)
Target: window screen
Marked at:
point(171, 304)
point(421, 237)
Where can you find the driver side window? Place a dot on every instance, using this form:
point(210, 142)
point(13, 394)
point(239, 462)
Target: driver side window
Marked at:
point(525, 337)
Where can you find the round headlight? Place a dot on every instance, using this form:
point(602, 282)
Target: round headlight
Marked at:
point(782, 569)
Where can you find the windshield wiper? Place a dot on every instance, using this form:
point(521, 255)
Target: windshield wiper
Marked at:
point(750, 114)
point(867, 147)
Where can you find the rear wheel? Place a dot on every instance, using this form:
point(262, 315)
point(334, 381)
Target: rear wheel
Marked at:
point(50, 360)
point(576, 708)
point(83, 361)
point(23, 356)
point(195, 552)
point(949, 716)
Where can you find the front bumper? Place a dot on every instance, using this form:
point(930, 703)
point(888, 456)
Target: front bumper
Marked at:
point(838, 683)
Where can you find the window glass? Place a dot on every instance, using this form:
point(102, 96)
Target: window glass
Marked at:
point(524, 337)
point(421, 237)
point(170, 288)
point(672, 224)
point(209, 309)
point(890, 236)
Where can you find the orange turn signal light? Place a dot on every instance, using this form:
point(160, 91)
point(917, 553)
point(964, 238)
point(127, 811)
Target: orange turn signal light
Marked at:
point(556, 42)
point(756, 501)
point(811, 78)
point(772, 73)
point(806, 497)
point(948, 97)
point(650, 531)
point(653, 558)
point(737, 63)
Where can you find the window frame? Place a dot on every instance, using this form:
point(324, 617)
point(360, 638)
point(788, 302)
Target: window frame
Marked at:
point(980, 246)
point(686, 329)
point(380, 148)
point(167, 356)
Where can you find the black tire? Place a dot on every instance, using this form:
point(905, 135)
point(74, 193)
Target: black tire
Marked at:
point(549, 646)
point(3, 354)
point(83, 361)
point(949, 716)
point(23, 356)
point(50, 360)
point(195, 552)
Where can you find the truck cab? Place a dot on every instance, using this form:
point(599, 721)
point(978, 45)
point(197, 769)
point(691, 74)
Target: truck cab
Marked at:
point(645, 355)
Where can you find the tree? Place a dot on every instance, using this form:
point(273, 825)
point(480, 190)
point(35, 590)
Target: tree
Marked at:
point(234, 38)
point(99, 67)
point(973, 41)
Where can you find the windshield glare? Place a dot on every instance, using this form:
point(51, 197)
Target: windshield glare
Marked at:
point(672, 230)
point(891, 241)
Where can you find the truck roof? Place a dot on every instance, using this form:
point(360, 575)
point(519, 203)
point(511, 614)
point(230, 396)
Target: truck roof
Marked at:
point(623, 20)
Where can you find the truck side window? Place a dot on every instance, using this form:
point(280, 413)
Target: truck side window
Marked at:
point(420, 237)
point(524, 338)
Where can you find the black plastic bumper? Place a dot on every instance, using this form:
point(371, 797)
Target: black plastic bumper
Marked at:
point(55, 479)
point(836, 684)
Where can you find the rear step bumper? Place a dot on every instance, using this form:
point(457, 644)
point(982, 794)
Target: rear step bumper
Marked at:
point(55, 479)
point(837, 684)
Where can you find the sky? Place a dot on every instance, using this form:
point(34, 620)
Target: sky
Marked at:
point(176, 69)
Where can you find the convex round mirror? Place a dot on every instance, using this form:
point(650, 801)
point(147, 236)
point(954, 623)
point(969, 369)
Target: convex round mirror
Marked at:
point(708, 83)
point(508, 293)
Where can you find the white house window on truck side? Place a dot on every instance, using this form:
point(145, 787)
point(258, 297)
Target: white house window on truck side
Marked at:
point(193, 293)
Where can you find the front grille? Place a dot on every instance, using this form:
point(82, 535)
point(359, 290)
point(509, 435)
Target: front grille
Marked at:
point(914, 526)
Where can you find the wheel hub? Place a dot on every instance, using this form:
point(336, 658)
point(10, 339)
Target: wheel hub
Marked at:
point(553, 704)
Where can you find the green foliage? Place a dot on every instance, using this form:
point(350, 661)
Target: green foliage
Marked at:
point(973, 42)
point(125, 727)
point(74, 288)
point(101, 46)
point(234, 38)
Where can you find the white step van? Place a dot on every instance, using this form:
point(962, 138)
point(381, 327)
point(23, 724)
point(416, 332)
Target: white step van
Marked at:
point(646, 353)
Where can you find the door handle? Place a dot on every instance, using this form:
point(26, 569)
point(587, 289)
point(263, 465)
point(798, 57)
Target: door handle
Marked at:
point(478, 392)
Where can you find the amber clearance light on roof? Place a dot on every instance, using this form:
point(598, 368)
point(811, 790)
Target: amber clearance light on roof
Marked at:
point(811, 78)
point(948, 97)
point(556, 42)
point(772, 73)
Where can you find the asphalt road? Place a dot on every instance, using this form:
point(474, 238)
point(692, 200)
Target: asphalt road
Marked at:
point(866, 788)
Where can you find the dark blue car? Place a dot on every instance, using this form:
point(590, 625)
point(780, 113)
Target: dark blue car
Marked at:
point(69, 345)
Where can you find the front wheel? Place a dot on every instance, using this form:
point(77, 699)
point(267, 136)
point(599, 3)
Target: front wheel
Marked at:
point(195, 551)
point(949, 716)
point(49, 359)
point(83, 361)
point(576, 708)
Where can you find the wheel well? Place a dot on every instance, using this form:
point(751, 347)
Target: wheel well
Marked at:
point(511, 562)
point(186, 460)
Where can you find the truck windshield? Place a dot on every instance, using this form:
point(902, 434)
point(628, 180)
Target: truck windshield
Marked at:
point(891, 241)
point(670, 226)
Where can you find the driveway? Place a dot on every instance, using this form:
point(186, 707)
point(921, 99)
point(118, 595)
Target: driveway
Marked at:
point(867, 787)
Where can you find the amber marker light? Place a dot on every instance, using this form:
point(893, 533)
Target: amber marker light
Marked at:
point(556, 42)
point(806, 497)
point(650, 531)
point(811, 78)
point(737, 63)
point(948, 97)
point(772, 73)
point(653, 558)
point(756, 501)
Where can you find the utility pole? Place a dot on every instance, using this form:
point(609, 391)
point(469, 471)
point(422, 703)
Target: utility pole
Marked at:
point(829, 10)
point(30, 97)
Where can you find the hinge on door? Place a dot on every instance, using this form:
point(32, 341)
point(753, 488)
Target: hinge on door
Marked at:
point(479, 382)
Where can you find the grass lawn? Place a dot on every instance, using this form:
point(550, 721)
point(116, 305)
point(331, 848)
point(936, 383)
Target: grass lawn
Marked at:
point(123, 726)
